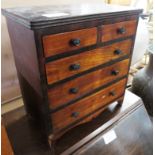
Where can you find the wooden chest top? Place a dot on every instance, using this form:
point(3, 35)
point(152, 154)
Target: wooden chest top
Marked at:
point(45, 16)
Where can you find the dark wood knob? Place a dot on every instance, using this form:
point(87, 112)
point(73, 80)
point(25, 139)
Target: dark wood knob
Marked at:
point(74, 66)
point(114, 72)
point(112, 93)
point(73, 90)
point(117, 52)
point(121, 30)
point(75, 114)
point(75, 42)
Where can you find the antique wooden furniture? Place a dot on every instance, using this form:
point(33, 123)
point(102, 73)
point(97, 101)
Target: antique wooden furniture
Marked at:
point(72, 61)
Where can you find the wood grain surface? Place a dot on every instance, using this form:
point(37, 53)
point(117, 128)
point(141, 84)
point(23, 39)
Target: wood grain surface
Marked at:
point(60, 43)
point(60, 94)
point(60, 69)
point(25, 54)
point(83, 107)
point(110, 31)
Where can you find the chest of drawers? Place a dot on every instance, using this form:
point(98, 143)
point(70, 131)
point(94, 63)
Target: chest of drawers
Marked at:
point(72, 61)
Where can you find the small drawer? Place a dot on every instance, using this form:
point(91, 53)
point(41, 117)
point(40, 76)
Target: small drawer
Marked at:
point(118, 30)
point(85, 106)
point(84, 84)
point(68, 41)
point(69, 66)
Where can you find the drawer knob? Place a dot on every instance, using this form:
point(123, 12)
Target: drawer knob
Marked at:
point(115, 72)
point(121, 30)
point(74, 66)
point(75, 114)
point(75, 42)
point(112, 93)
point(117, 52)
point(73, 90)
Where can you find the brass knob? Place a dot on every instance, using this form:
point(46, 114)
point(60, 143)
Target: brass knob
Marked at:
point(74, 66)
point(121, 30)
point(75, 42)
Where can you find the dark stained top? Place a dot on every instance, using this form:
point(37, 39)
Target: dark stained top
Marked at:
point(43, 16)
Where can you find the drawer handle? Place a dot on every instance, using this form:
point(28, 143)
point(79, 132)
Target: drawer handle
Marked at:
point(121, 30)
point(73, 90)
point(118, 52)
point(75, 42)
point(112, 93)
point(75, 114)
point(74, 66)
point(115, 72)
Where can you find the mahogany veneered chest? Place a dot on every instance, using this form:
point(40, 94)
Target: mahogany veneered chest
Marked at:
point(72, 61)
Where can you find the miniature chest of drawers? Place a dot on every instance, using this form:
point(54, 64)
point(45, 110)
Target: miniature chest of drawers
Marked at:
point(72, 61)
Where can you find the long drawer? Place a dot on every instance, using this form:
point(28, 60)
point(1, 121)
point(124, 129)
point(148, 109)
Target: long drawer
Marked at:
point(71, 90)
point(69, 66)
point(118, 30)
point(74, 112)
point(68, 41)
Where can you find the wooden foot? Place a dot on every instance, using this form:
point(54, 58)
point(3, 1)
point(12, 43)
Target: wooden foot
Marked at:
point(53, 148)
point(51, 143)
point(120, 102)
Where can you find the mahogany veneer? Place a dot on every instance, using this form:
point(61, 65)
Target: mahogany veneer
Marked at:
point(118, 30)
point(72, 66)
point(85, 84)
point(53, 43)
point(83, 107)
point(60, 69)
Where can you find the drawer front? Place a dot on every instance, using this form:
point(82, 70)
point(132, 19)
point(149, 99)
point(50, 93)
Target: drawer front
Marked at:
point(82, 85)
point(74, 112)
point(68, 41)
point(118, 30)
point(69, 66)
